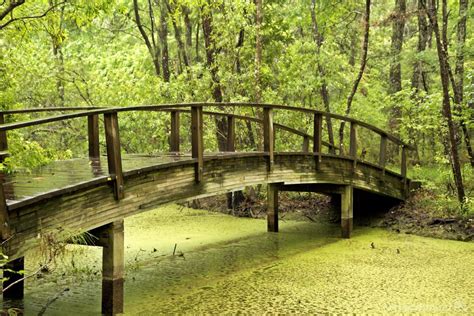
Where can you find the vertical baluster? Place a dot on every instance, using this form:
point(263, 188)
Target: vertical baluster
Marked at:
point(4, 218)
point(93, 135)
point(305, 144)
point(268, 135)
point(3, 139)
point(383, 152)
point(403, 167)
point(353, 144)
point(318, 134)
point(230, 133)
point(114, 157)
point(174, 137)
point(197, 141)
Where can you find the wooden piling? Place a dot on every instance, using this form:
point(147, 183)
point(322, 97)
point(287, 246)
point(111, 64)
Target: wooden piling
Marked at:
point(347, 203)
point(272, 207)
point(112, 239)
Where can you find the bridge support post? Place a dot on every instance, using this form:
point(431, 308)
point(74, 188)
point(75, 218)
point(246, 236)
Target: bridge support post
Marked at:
point(347, 203)
point(111, 237)
point(272, 207)
point(11, 272)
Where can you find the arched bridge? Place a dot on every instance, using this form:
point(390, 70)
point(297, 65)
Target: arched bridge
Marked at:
point(96, 196)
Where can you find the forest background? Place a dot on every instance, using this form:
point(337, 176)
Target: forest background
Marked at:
point(405, 66)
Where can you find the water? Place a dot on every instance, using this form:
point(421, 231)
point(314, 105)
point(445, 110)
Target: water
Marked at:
point(231, 265)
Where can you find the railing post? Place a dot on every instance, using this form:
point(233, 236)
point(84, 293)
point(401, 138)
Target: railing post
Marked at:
point(114, 157)
point(268, 135)
point(353, 144)
point(383, 152)
point(230, 133)
point(403, 167)
point(174, 137)
point(93, 135)
point(4, 218)
point(197, 141)
point(317, 137)
point(305, 148)
point(3, 139)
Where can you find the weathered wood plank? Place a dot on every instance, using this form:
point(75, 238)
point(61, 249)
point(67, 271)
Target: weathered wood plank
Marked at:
point(93, 135)
point(114, 156)
point(383, 152)
point(230, 133)
point(197, 142)
point(317, 137)
point(268, 135)
point(174, 137)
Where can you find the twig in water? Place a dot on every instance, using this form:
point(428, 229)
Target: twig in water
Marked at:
point(51, 301)
point(174, 250)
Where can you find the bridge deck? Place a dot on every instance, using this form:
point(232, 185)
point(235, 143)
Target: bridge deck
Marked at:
point(26, 184)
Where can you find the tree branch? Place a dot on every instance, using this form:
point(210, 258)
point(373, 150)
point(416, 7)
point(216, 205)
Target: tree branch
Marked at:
point(29, 17)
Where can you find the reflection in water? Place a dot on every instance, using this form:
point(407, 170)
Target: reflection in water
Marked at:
point(229, 265)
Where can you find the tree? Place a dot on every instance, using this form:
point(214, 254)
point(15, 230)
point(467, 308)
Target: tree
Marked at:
point(447, 113)
point(363, 63)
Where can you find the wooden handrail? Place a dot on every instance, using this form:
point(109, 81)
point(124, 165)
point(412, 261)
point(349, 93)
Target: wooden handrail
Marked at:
point(97, 110)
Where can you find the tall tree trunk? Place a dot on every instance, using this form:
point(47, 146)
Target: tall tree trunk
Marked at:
point(189, 28)
point(210, 46)
point(163, 33)
point(318, 38)
point(395, 78)
point(57, 43)
point(363, 63)
point(419, 80)
point(444, 74)
point(459, 75)
point(258, 50)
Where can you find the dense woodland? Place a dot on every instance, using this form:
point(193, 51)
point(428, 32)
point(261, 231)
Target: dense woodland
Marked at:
point(406, 66)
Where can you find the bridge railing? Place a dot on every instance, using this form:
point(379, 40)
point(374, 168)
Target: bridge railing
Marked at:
point(197, 113)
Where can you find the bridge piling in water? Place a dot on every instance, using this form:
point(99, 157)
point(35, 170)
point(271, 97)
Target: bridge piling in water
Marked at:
point(111, 238)
point(272, 207)
point(347, 205)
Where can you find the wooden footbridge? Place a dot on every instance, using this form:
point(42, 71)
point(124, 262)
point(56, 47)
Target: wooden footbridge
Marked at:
point(100, 191)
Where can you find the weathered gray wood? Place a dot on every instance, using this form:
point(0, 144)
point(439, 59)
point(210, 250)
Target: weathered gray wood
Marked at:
point(230, 133)
point(268, 134)
point(174, 137)
point(93, 135)
point(4, 218)
point(403, 167)
point(272, 207)
point(318, 136)
point(111, 237)
point(347, 200)
point(305, 147)
point(114, 156)
point(353, 141)
point(3, 135)
point(383, 152)
point(11, 273)
point(197, 141)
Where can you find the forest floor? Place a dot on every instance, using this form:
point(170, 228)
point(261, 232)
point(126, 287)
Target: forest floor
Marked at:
point(415, 216)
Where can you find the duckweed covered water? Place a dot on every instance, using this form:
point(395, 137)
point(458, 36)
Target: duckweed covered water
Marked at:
point(225, 264)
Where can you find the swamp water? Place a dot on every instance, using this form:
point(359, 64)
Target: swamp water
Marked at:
point(225, 264)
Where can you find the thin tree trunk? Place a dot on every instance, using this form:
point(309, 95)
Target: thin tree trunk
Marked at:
point(459, 76)
point(444, 74)
point(56, 41)
point(189, 28)
point(363, 63)
point(258, 50)
point(209, 44)
point(318, 38)
point(151, 45)
point(163, 33)
point(419, 80)
point(177, 34)
point(395, 78)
